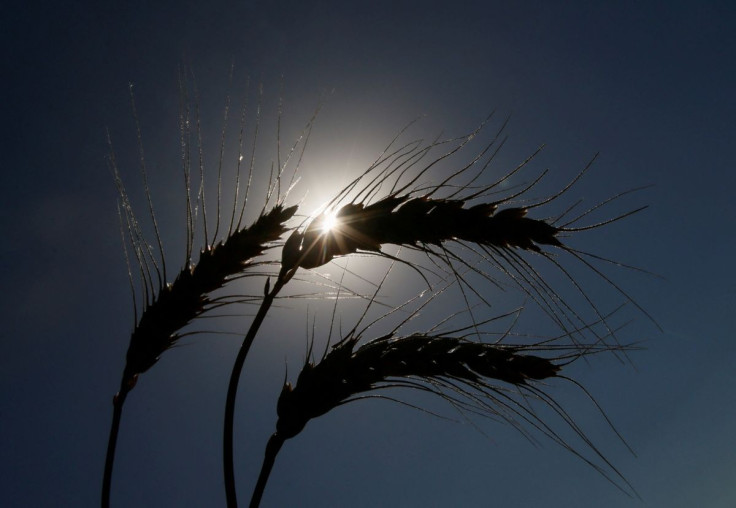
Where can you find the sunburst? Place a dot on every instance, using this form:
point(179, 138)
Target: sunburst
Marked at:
point(330, 222)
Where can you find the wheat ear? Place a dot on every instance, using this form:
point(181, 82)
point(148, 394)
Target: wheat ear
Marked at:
point(168, 307)
point(177, 304)
point(186, 298)
point(413, 221)
point(461, 371)
point(415, 217)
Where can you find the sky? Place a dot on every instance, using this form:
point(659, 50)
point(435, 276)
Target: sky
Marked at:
point(649, 86)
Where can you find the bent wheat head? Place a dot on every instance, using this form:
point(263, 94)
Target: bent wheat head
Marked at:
point(346, 372)
point(413, 221)
point(186, 298)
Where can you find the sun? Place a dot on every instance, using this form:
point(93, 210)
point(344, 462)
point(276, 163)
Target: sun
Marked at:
point(329, 221)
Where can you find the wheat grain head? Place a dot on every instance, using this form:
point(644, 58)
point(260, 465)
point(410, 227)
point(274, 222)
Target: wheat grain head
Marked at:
point(168, 307)
point(457, 219)
point(346, 372)
point(493, 380)
point(182, 301)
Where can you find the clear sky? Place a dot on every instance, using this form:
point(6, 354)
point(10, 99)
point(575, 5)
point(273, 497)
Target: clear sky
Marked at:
point(649, 85)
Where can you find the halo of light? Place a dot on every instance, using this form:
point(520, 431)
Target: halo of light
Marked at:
point(329, 221)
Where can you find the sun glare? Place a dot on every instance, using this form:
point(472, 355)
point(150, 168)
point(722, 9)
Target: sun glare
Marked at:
point(330, 221)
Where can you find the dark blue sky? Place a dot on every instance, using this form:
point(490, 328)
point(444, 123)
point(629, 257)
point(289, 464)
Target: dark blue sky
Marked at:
point(650, 86)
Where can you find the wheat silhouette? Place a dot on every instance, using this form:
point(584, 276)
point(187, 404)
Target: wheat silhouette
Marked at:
point(463, 229)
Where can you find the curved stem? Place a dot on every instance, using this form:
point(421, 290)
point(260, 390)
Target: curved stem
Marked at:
point(117, 402)
point(272, 449)
point(232, 390)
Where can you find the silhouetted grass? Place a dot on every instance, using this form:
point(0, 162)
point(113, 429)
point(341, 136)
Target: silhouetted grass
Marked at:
point(465, 229)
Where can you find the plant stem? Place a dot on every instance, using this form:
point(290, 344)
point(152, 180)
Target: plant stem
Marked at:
point(232, 390)
point(117, 402)
point(272, 449)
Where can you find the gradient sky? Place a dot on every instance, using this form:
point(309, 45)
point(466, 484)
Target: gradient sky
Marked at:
point(648, 85)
